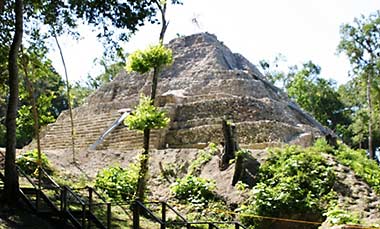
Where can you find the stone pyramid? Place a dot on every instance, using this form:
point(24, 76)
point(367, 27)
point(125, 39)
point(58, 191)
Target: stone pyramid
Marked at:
point(206, 83)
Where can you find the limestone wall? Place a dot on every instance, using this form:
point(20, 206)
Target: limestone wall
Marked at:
point(237, 109)
point(89, 126)
point(257, 120)
point(248, 133)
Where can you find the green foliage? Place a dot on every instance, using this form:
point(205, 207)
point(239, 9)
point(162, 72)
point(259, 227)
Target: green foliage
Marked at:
point(360, 41)
point(241, 186)
point(146, 116)
point(321, 145)
point(203, 157)
point(354, 95)
point(273, 71)
point(48, 93)
point(61, 17)
point(215, 211)
point(118, 183)
point(291, 181)
point(169, 170)
point(358, 161)
point(153, 57)
point(28, 162)
point(316, 95)
point(242, 153)
point(339, 217)
point(79, 94)
point(193, 189)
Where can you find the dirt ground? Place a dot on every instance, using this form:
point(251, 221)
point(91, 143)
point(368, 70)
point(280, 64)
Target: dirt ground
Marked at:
point(90, 162)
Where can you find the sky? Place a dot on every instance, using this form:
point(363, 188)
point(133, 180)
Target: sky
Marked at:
point(301, 30)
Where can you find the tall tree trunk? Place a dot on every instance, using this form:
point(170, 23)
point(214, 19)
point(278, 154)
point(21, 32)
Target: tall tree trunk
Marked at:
point(68, 97)
point(370, 111)
point(154, 84)
point(141, 182)
point(11, 185)
point(29, 87)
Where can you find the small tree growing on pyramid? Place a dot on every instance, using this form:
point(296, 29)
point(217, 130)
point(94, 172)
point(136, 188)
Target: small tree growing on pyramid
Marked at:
point(146, 116)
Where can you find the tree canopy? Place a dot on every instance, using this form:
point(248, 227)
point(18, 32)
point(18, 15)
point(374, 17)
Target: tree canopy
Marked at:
point(360, 41)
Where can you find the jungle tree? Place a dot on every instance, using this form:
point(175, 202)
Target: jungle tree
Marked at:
point(146, 116)
point(360, 41)
point(317, 95)
point(154, 58)
point(11, 184)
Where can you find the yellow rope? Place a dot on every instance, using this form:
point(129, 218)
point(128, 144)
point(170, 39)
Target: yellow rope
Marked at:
point(257, 216)
point(267, 217)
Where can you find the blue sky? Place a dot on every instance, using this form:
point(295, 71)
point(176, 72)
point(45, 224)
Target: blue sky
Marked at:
point(301, 30)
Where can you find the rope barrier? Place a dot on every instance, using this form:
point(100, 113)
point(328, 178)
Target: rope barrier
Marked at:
point(255, 216)
point(266, 217)
point(274, 218)
point(282, 219)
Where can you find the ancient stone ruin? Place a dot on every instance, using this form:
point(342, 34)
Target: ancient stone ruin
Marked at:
point(205, 84)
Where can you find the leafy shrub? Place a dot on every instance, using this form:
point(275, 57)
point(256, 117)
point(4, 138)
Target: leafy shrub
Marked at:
point(28, 162)
point(358, 161)
point(146, 116)
point(204, 156)
point(193, 189)
point(214, 211)
point(241, 186)
point(168, 170)
point(242, 153)
point(142, 61)
point(321, 145)
point(291, 181)
point(118, 183)
point(338, 217)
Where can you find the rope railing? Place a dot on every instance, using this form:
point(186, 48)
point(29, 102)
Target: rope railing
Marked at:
point(140, 208)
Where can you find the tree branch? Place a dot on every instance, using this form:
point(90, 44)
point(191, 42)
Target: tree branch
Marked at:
point(68, 95)
point(165, 24)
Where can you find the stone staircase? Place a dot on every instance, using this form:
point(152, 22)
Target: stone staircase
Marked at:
point(88, 127)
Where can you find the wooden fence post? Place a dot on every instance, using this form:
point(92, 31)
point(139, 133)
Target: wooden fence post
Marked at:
point(136, 215)
point(163, 214)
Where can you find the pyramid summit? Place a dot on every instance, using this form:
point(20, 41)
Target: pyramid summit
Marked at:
point(205, 84)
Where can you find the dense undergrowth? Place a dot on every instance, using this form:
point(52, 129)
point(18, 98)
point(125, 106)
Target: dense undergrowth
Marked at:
point(28, 162)
point(357, 160)
point(293, 182)
point(118, 183)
